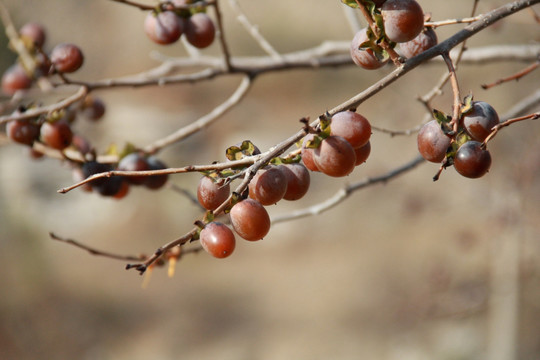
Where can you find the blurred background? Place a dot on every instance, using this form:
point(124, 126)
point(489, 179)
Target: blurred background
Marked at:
point(412, 269)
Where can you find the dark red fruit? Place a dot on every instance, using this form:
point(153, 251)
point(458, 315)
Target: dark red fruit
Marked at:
point(23, 131)
point(364, 57)
point(35, 33)
point(57, 135)
point(335, 157)
point(156, 181)
point(480, 120)
point(15, 78)
point(362, 153)
point(67, 58)
point(250, 220)
point(217, 240)
point(472, 160)
point(403, 19)
point(164, 28)
point(268, 185)
point(134, 162)
point(351, 126)
point(425, 40)
point(298, 180)
point(211, 194)
point(106, 186)
point(200, 30)
point(307, 154)
point(432, 142)
point(93, 108)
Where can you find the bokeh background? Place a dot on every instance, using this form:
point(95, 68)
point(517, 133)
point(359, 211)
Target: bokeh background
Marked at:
point(412, 269)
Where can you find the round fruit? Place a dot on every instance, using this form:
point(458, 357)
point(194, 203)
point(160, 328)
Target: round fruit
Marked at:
point(432, 142)
point(217, 240)
point(93, 108)
point(22, 131)
point(105, 186)
point(403, 19)
point(163, 28)
point(67, 58)
point(298, 180)
point(156, 181)
point(250, 220)
point(268, 185)
point(364, 57)
point(34, 33)
point(134, 162)
point(200, 30)
point(210, 194)
point(362, 153)
point(307, 154)
point(15, 78)
point(335, 157)
point(57, 135)
point(480, 120)
point(352, 127)
point(472, 160)
point(425, 40)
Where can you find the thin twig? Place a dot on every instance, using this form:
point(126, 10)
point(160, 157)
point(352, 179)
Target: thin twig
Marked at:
point(204, 121)
point(94, 251)
point(508, 122)
point(435, 24)
point(512, 77)
point(222, 40)
point(33, 112)
point(342, 194)
point(254, 31)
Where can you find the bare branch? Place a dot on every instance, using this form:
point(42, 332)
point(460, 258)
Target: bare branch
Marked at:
point(347, 191)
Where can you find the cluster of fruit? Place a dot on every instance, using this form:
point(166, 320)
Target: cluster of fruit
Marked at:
point(64, 58)
point(465, 148)
point(166, 24)
point(342, 145)
point(403, 23)
point(249, 218)
point(118, 186)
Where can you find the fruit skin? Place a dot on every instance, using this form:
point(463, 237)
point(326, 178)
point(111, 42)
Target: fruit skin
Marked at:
point(425, 40)
point(480, 120)
point(250, 220)
point(134, 162)
point(432, 142)
point(164, 28)
point(200, 30)
point(157, 181)
point(298, 180)
point(15, 78)
point(105, 186)
point(22, 131)
point(210, 194)
point(307, 154)
point(218, 240)
point(93, 108)
point(57, 135)
point(364, 58)
point(33, 32)
point(362, 153)
point(403, 19)
point(472, 160)
point(335, 157)
point(268, 186)
point(351, 126)
point(67, 58)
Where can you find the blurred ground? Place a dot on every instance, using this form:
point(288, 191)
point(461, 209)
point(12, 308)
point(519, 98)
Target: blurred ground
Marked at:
point(408, 270)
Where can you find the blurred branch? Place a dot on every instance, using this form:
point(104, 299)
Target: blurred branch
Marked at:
point(254, 31)
point(515, 76)
point(204, 121)
point(346, 191)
